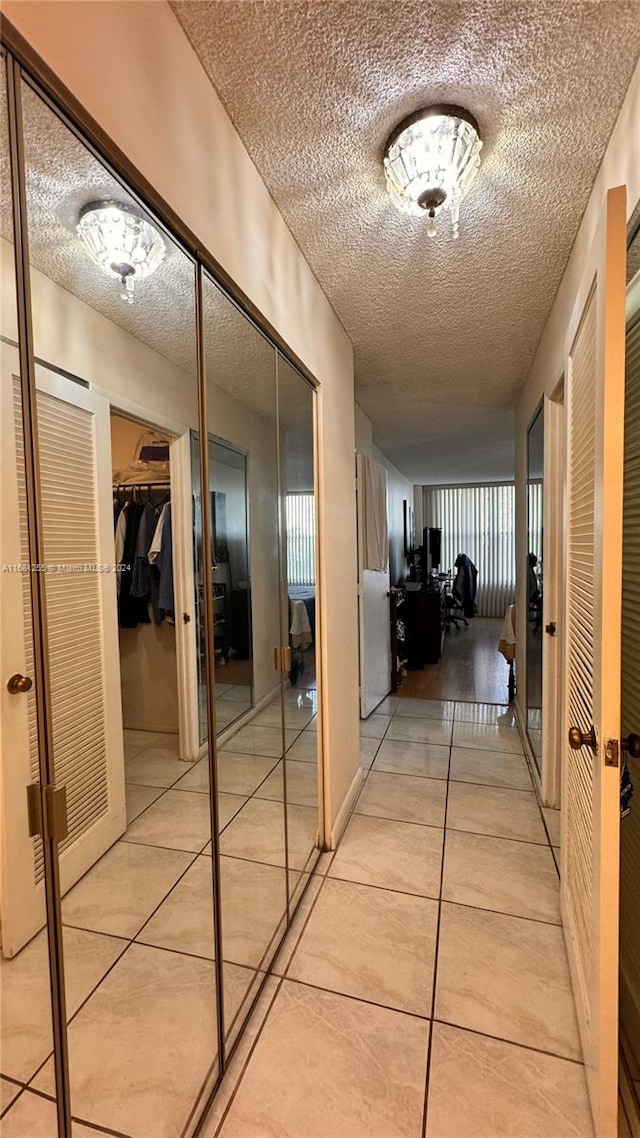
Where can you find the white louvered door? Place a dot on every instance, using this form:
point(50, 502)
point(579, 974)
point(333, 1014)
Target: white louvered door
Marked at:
point(591, 796)
point(630, 825)
point(75, 470)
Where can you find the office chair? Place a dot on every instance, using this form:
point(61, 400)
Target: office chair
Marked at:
point(454, 601)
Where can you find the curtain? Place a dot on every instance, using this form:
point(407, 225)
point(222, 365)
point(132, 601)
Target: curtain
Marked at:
point(374, 495)
point(478, 521)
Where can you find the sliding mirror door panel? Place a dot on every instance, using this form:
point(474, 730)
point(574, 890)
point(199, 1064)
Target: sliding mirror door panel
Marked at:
point(535, 490)
point(114, 316)
point(298, 628)
point(243, 504)
point(26, 1036)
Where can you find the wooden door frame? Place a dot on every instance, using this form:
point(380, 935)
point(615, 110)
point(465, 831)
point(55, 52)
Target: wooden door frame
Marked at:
point(607, 257)
point(553, 510)
point(183, 563)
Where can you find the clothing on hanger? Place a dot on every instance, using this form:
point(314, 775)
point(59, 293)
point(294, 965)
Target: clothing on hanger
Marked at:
point(156, 543)
point(131, 610)
point(164, 564)
point(141, 576)
point(121, 529)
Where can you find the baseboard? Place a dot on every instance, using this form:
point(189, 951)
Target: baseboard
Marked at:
point(344, 813)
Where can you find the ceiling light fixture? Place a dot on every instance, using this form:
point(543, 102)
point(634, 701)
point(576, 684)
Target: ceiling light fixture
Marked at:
point(430, 161)
point(121, 242)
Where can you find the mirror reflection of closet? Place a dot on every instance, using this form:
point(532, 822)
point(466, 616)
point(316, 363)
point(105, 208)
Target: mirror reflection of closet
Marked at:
point(630, 707)
point(535, 473)
point(140, 459)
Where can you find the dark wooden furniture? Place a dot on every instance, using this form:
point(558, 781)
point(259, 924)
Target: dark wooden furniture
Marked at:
point(426, 622)
point(398, 648)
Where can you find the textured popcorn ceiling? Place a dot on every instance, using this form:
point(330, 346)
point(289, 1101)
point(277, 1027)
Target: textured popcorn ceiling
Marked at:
point(444, 332)
point(62, 176)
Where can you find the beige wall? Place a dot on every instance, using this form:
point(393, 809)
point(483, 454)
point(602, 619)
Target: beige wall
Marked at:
point(620, 166)
point(183, 142)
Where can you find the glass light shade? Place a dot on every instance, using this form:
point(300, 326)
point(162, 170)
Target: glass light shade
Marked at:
point(121, 242)
point(430, 162)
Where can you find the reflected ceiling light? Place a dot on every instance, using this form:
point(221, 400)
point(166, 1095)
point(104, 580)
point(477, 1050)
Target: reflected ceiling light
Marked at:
point(121, 242)
point(430, 161)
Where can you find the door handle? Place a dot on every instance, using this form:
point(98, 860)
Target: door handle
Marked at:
point(578, 739)
point(18, 683)
point(631, 745)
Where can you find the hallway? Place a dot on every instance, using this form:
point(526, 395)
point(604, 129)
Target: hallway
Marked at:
point(392, 938)
point(471, 668)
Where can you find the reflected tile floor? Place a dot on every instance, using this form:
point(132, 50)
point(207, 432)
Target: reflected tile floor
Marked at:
point(139, 942)
point(424, 981)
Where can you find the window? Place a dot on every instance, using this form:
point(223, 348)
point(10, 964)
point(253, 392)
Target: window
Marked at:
point(301, 539)
point(478, 521)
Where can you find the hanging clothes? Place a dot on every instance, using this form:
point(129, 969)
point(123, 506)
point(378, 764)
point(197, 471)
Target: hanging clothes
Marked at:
point(156, 542)
point(163, 560)
point(131, 610)
point(121, 529)
point(141, 576)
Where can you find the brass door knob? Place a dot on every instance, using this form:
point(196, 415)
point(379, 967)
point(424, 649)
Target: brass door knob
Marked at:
point(578, 739)
point(18, 683)
point(632, 745)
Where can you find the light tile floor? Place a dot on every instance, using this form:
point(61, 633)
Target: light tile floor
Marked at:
point(423, 989)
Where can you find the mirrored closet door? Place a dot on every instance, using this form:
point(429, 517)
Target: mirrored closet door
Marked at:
point(174, 722)
point(298, 615)
point(114, 316)
point(534, 578)
point(26, 1027)
point(243, 475)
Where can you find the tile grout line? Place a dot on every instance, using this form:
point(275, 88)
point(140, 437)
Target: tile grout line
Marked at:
point(436, 955)
point(223, 1118)
point(510, 1042)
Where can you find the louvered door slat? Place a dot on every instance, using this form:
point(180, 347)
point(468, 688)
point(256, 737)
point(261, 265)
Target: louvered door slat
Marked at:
point(580, 631)
point(630, 826)
point(69, 525)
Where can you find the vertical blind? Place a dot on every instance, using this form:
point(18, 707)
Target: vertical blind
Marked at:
point(478, 521)
point(301, 539)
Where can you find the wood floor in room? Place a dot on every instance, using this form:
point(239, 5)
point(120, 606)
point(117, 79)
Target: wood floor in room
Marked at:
point(471, 668)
